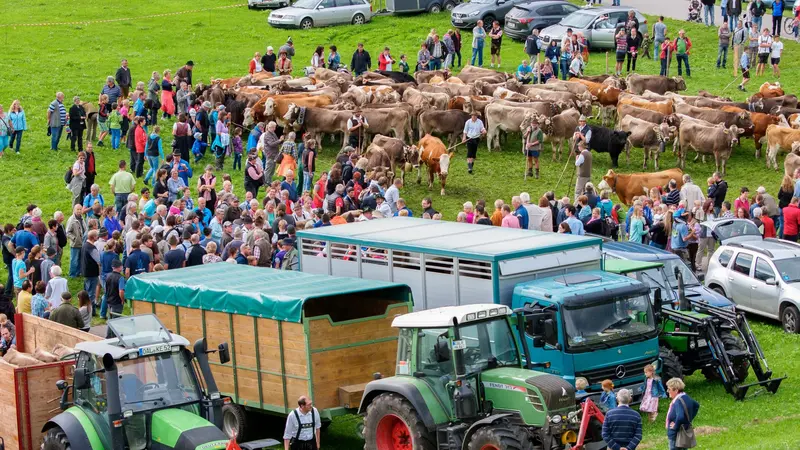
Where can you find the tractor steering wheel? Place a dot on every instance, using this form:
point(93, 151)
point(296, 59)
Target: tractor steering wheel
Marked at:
point(144, 387)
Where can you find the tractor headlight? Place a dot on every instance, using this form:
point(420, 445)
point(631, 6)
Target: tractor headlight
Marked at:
point(692, 344)
point(555, 419)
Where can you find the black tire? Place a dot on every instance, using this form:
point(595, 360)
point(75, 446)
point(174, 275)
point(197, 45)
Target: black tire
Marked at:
point(448, 6)
point(306, 23)
point(359, 19)
point(671, 366)
point(234, 420)
point(500, 435)
point(487, 22)
point(55, 439)
point(731, 342)
point(790, 319)
point(392, 406)
point(435, 8)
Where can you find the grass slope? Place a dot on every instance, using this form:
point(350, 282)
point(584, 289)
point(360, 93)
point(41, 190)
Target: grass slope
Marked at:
point(75, 58)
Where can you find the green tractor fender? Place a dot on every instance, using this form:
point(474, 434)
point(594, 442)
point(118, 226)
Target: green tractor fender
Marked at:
point(78, 428)
point(427, 406)
point(494, 418)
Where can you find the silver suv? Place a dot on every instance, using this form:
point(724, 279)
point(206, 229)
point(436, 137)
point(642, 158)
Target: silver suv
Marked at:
point(762, 276)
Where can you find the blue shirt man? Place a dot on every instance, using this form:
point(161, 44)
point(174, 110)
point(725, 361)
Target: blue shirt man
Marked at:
point(522, 215)
point(679, 233)
point(25, 239)
point(252, 139)
point(575, 225)
point(524, 71)
point(137, 262)
point(90, 198)
point(206, 215)
point(622, 427)
point(149, 211)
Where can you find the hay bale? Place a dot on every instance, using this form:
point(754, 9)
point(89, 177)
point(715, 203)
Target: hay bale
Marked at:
point(44, 356)
point(61, 351)
point(20, 359)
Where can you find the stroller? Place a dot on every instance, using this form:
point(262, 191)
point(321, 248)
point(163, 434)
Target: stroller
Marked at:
point(695, 11)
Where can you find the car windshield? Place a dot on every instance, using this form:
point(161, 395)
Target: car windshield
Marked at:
point(486, 340)
point(577, 20)
point(157, 381)
point(736, 228)
point(789, 269)
point(600, 325)
point(306, 4)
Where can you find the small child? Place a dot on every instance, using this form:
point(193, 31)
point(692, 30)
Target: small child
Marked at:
point(608, 399)
point(237, 148)
point(653, 391)
point(115, 126)
point(199, 147)
point(187, 198)
point(744, 64)
point(403, 63)
point(580, 386)
point(124, 110)
point(775, 56)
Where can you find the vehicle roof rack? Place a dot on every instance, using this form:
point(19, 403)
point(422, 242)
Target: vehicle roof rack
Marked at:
point(783, 242)
point(751, 247)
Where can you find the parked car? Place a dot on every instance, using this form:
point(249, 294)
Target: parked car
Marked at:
point(693, 287)
point(306, 14)
point(466, 15)
point(526, 17)
point(256, 4)
point(598, 25)
point(432, 6)
point(762, 276)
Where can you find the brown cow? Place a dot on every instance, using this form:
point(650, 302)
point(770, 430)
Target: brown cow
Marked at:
point(425, 76)
point(376, 157)
point(718, 140)
point(779, 138)
point(658, 84)
point(645, 114)
point(628, 186)
point(449, 122)
point(665, 108)
point(760, 123)
point(400, 154)
point(740, 119)
point(647, 136)
point(792, 161)
point(433, 154)
point(276, 107)
point(768, 90)
point(557, 129)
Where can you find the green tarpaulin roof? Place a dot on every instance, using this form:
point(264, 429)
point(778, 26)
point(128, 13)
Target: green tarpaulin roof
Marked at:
point(240, 289)
point(622, 266)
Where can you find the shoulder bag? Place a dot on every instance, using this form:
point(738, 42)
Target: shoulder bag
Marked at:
point(685, 437)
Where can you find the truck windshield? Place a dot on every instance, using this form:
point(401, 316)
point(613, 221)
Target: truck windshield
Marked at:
point(157, 381)
point(487, 340)
point(603, 325)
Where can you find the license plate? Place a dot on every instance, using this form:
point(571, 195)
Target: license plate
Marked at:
point(701, 343)
point(457, 20)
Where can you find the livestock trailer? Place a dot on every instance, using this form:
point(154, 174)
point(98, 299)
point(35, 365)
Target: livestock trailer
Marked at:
point(408, 6)
point(28, 395)
point(445, 263)
point(290, 333)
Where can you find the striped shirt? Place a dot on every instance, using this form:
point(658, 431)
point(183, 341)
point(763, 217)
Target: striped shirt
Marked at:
point(622, 428)
point(62, 114)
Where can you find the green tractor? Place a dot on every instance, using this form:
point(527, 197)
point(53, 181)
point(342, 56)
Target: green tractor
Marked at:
point(695, 335)
point(462, 383)
point(140, 390)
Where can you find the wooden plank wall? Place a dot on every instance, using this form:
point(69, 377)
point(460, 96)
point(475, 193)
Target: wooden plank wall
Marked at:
point(351, 363)
point(45, 334)
point(37, 387)
point(8, 406)
point(240, 377)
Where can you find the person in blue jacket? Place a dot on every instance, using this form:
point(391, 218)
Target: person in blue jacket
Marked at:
point(682, 410)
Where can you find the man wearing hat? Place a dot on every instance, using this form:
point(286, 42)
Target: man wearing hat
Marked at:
point(383, 208)
point(288, 48)
point(268, 60)
point(473, 130)
point(184, 169)
point(185, 73)
point(533, 145)
point(344, 156)
point(253, 174)
point(289, 261)
point(355, 128)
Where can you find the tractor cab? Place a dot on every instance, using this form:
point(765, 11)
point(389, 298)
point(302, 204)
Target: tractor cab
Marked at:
point(462, 371)
point(139, 388)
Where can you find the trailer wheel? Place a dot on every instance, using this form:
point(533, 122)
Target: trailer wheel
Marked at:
point(55, 439)
point(392, 423)
point(234, 421)
point(501, 436)
point(671, 366)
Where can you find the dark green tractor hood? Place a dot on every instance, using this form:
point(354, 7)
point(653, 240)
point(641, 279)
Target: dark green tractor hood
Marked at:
point(176, 429)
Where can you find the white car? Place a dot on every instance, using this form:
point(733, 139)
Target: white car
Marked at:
point(306, 14)
point(762, 276)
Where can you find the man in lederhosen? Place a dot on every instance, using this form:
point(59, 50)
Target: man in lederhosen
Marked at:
point(302, 427)
point(473, 130)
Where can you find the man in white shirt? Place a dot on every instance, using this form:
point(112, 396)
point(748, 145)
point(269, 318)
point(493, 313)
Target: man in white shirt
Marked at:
point(764, 49)
point(691, 192)
point(473, 130)
point(775, 57)
point(302, 427)
point(383, 206)
point(392, 194)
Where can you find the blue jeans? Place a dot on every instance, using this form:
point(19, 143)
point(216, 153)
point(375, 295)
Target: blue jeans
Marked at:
point(90, 285)
point(116, 137)
point(477, 53)
point(237, 161)
point(103, 303)
point(732, 21)
point(55, 136)
point(308, 180)
point(779, 224)
point(16, 135)
point(663, 67)
point(722, 54)
point(435, 64)
point(564, 68)
point(120, 200)
point(154, 163)
point(74, 262)
point(757, 23)
point(708, 11)
point(685, 60)
point(656, 49)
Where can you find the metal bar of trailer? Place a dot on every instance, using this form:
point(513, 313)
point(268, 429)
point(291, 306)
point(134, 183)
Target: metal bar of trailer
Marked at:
point(422, 273)
point(283, 368)
point(233, 356)
point(267, 372)
point(258, 360)
point(391, 265)
point(456, 281)
point(306, 334)
point(357, 344)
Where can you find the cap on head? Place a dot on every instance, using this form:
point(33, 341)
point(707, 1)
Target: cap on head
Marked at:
point(582, 118)
point(190, 63)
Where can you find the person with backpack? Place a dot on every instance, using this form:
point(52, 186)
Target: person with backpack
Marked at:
point(303, 426)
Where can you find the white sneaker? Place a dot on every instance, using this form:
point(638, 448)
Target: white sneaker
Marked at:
point(491, 65)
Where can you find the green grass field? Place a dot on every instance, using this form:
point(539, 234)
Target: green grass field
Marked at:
point(75, 57)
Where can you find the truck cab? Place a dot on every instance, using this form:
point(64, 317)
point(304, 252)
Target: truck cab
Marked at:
point(576, 323)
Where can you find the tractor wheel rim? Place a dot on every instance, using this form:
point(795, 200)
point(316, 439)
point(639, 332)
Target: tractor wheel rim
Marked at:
point(490, 447)
point(393, 434)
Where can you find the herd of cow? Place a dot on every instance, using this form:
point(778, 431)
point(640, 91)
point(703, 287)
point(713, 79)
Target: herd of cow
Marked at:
point(652, 114)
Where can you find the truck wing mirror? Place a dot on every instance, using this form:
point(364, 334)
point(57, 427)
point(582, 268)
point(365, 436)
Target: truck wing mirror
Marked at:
point(538, 341)
point(81, 381)
point(658, 300)
point(224, 353)
point(550, 333)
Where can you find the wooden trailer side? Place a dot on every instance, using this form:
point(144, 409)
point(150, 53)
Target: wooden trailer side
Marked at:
point(349, 353)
